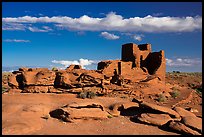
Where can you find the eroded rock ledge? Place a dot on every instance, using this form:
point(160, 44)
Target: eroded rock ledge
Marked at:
point(176, 118)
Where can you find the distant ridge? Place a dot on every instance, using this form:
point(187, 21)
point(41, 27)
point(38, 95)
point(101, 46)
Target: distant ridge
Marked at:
point(13, 68)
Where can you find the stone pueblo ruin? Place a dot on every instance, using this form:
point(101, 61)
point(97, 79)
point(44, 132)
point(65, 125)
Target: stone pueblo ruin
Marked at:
point(137, 65)
point(140, 74)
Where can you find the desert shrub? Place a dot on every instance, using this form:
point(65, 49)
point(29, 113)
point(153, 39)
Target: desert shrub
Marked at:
point(86, 94)
point(161, 98)
point(174, 88)
point(175, 93)
point(82, 95)
point(191, 85)
point(110, 116)
point(91, 95)
point(176, 72)
point(54, 69)
point(4, 89)
point(6, 74)
point(199, 90)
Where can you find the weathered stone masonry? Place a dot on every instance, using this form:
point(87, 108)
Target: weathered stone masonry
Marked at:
point(136, 64)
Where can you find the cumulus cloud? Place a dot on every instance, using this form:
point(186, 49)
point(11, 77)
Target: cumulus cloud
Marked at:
point(44, 29)
point(82, 62)
point(183, 62)
point(16, 40)
point(114, 22)
point(109, 36)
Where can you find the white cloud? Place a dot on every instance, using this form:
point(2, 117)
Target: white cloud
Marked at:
point(35, 29)
point(8, 71)
point(47, 28)
point(138, 37)
point(82, 62)
point(114, 22)
point(85, 62)
point(16, 40)
point(179, 59)
point(184, 62)
point(109, 36)
point(13, 26)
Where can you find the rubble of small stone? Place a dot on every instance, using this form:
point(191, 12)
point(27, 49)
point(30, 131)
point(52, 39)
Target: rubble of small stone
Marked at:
point(139, 70)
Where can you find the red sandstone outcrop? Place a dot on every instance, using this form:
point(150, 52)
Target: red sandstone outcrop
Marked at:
point(183, 113)
point(183, 121)
point(75, 111)
point(66, 79)
point(41, 77)
point(160, 108)
point(193, 122)
point(144, 112)
point(178, 126)
point(72, 67)
point(12, 82)
point(91, 78)
point(155, 119)
point(115, 109)
point(40, 89)
point(189, 118)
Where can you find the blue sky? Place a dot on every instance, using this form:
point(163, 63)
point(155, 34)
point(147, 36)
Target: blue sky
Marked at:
point(47, 34)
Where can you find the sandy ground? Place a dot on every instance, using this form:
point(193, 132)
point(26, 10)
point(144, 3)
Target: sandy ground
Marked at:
point(22, 114)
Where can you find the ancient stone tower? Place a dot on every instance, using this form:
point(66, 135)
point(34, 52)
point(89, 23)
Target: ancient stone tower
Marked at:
point(142, 57)
point(137, 62)
point(134, 53)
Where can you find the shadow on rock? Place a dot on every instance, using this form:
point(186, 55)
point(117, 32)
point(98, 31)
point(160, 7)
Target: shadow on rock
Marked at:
point(130, 111)
point(60, 114)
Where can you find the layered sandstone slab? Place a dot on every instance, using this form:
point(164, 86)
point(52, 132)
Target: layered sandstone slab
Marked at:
point(75, 111)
